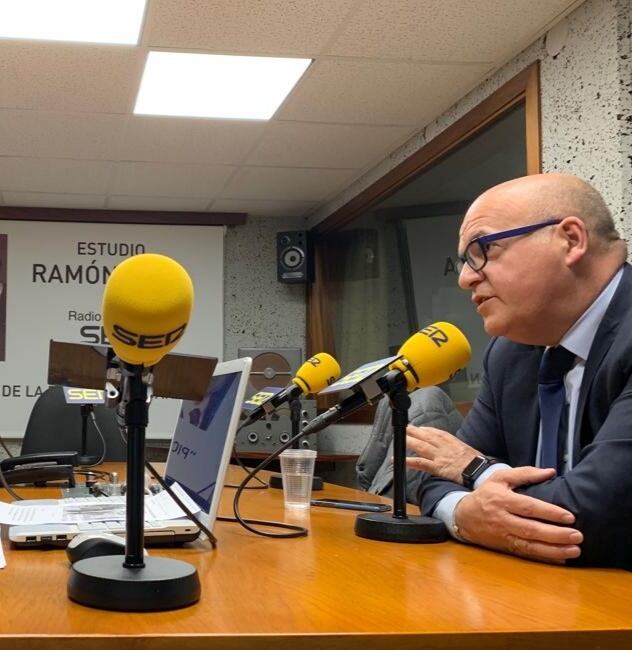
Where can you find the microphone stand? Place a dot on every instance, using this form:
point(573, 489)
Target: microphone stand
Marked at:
point(140, 583)
point(295, 419)
point(276, 480)
point(399, 527)
point(84, 459)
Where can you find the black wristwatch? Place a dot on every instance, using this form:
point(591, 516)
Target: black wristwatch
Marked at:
point(475, 468)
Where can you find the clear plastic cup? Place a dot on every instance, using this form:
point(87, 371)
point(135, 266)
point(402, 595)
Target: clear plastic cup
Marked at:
point(297, 472)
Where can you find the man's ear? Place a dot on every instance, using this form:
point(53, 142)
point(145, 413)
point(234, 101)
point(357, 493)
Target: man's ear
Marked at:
point(575, 233)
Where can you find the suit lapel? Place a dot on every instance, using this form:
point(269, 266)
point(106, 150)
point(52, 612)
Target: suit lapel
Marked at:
point(604, 337)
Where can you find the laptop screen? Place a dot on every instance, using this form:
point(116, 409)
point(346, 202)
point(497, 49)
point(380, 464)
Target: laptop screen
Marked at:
point(202, 443)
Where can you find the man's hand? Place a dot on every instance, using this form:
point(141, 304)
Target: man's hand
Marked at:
point(438, 452)
point(496, 517)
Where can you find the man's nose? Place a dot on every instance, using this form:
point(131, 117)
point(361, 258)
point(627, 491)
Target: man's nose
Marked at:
point(468, 277)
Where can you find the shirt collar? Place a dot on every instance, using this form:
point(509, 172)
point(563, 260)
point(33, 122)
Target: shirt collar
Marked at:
point(579, 337)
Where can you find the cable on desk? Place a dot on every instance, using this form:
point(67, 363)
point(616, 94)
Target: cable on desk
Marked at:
point(8, 488)
point(9, 454)
point(97, 473)
point(263, 485)
point(297, 531)
point(104, 446)
point(152, 470)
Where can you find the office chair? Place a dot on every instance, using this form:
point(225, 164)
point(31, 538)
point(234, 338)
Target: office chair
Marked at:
point(55, 425)
point(430, 407)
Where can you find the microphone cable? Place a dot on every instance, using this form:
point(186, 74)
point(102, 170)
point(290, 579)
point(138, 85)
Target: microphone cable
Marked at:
point(262, 484)
point(4, 446)
point(8, 488)
point(104, 446)
point(152, 470)
point(296, 531)
point(3, 480)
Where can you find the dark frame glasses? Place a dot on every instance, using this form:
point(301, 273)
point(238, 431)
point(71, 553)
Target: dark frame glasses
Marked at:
point(475, 253)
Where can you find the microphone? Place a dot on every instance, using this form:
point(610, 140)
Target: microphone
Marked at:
point(429, 357)
point(314, 375)
point(146, 307)
point(145, 310)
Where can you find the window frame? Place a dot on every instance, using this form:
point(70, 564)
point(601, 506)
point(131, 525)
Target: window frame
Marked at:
point(524, 88)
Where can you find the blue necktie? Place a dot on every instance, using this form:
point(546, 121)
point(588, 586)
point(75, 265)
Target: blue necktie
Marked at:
point(556, 362)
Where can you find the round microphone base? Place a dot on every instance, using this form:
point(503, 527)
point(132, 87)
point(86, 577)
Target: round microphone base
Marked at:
point(87, 460)
point(103, 582)
point(276, 481)
point(412, 530)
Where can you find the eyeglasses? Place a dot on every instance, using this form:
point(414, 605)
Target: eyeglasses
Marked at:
point(475, 254)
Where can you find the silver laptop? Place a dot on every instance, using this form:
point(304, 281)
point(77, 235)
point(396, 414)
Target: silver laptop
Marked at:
point(198, 458)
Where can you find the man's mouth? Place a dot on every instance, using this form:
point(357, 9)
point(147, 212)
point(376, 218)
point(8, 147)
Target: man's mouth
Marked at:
point(479, 300)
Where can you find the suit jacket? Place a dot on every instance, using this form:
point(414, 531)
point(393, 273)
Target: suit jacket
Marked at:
point(504, 423)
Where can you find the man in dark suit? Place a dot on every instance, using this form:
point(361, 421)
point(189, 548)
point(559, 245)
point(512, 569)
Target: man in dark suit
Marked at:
point(546, 270)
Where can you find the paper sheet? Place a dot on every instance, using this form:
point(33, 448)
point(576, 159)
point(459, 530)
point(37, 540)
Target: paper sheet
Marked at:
point(157, 507)
point(21, 515)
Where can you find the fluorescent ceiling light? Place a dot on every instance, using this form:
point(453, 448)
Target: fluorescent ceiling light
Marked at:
point(209, 85)
point(87, 21)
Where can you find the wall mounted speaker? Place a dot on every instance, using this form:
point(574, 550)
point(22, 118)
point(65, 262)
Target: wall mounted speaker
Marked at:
point(294, 257)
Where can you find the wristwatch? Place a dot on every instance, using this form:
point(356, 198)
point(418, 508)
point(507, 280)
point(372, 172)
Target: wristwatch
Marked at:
point(475, 468)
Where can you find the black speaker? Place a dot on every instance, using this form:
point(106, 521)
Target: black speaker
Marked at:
point(294, 257)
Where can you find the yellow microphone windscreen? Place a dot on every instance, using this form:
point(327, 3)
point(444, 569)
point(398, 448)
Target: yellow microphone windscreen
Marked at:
point(146, 307)
point(433, 355)
point(317, 373)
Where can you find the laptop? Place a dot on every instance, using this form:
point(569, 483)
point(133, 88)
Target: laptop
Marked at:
point(198, 458)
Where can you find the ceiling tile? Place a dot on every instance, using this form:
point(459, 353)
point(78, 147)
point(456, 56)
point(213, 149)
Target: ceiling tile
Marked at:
point(53, 200)
point(444, 30)
point(159, 203)
point(409, 93)
point(273, 27)
point(60, 135)
point(172, 139)
point(54, 175)
point(69, 76)
point(261, 208)
point(285, 183)
point(300, 144)
point(155, 179)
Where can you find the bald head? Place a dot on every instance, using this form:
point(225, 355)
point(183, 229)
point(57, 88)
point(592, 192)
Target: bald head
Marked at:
point(533, 286)
point(545, 196)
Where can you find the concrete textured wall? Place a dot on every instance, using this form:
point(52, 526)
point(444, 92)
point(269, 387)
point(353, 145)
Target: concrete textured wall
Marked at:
point(259, 311)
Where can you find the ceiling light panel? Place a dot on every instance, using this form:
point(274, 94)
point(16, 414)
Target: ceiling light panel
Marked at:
point(209, 85)
point(87, 21)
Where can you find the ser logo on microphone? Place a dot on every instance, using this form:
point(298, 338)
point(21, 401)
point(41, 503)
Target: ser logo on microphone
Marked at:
point(437, 336)
point(147, 341)
point(315, 362)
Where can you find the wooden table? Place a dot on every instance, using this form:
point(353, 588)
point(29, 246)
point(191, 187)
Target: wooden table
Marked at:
point(330, 590)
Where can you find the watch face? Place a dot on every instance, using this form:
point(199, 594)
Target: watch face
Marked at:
point(474, 465)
